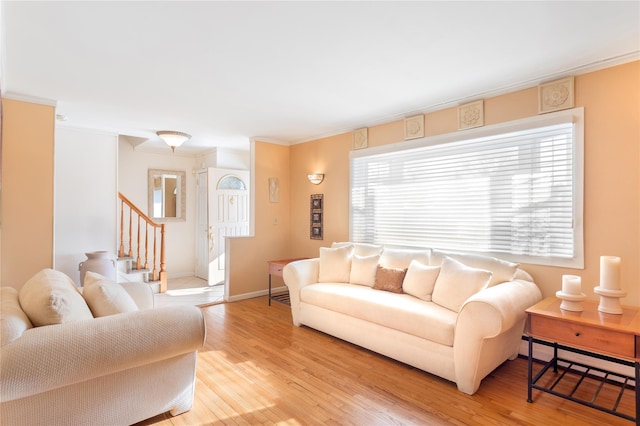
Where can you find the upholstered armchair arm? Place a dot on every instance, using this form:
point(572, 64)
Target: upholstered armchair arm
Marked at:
point(50, 357)
point(141, 293)
point(297, 275)
point(489, 329)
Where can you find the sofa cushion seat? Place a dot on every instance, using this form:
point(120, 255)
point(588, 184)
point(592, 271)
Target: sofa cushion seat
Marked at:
point(401, 312)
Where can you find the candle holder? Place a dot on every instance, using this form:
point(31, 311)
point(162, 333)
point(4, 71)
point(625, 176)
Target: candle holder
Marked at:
point(571, 302)
point(609, 300)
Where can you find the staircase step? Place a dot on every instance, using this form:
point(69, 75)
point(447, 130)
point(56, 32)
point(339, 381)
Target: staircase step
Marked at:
point(155, 286)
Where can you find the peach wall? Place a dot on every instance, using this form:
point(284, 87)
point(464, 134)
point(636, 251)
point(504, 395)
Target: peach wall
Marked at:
point(331, 157)
point(611, 99)
point(248, 256)
point(27, 190)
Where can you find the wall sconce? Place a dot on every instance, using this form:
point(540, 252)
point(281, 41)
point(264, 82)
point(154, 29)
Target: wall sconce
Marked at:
point(316, 178)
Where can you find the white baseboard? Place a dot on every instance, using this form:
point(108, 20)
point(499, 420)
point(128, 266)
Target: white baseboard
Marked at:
point(259, 293)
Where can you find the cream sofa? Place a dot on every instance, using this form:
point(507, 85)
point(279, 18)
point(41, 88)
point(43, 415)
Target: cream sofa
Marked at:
point(61, 366)
point(458, 316)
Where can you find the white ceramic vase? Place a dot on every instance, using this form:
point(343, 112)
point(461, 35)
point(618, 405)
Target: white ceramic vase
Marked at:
point(100, 262)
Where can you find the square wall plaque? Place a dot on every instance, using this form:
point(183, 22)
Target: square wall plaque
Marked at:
point(414, 127)
point(360, 138)
point(555, 95)
point(471, 115)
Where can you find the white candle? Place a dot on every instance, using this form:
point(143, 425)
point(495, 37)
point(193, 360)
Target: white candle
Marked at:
point(572, 284)
point(610, 272)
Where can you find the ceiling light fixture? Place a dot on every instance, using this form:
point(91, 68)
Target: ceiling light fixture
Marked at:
point(173, 139)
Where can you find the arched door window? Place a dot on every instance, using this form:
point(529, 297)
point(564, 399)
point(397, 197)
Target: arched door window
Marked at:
point(231, 182)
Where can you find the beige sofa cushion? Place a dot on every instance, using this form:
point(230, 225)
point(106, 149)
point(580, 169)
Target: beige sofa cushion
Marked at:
point(335, 264)
point(420, 280)
point(401, 312)
point(50, 297)
point(106, 297)
point(13, 321)
point(363, 269)
point(502, 270)
point(457, 282)
point(361, 249)
point(401, 258)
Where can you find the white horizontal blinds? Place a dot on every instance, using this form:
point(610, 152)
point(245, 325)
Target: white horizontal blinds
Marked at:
point(507, 193)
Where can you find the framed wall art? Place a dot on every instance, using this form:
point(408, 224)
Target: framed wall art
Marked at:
point(317, 204)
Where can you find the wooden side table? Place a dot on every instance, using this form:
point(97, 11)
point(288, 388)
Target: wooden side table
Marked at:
point(609, 337)
point(275, 270)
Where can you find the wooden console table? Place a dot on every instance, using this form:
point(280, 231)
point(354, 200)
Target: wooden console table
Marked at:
point(613, 338)
point(275, 270)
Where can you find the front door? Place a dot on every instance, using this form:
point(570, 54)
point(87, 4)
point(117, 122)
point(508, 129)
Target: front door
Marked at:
point(227, 215)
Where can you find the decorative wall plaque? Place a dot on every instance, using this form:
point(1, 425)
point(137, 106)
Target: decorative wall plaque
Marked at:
point(316, 216)
point(414, 127)
point(471, 115)
point(360, 138)
point(274, 190)
point(555, 95)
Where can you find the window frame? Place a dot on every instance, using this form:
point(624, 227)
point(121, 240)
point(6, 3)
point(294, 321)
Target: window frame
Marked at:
point(575, 115)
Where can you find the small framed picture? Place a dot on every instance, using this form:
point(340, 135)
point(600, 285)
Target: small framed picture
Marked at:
point(315, 215)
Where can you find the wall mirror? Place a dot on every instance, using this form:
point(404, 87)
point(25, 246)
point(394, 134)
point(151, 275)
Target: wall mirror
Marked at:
point(167, 195)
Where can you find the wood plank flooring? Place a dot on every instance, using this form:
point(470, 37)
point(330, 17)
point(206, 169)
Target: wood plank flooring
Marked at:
point(257, 368)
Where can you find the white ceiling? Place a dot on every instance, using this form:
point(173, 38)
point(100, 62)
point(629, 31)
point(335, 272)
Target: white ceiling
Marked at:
point(293, 71)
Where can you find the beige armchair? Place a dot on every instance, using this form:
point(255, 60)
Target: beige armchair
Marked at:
point(112, 370)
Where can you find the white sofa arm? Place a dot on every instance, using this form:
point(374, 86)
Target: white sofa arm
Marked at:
point(489, 329)
point(49, 357)
point(297, 275)
point(141, 293)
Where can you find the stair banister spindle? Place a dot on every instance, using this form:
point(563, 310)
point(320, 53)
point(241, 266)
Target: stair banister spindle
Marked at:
point(130, 254)
point(155, 257)
point(121, 249)
point(146, 245)
point(138, 261)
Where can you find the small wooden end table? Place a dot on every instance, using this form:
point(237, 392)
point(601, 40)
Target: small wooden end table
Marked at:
point(275, 270)
point(611, 337)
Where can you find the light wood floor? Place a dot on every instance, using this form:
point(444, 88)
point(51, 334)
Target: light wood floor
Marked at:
point(257, 368)
point(189, 291)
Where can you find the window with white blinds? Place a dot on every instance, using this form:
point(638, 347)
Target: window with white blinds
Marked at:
point(513, 191)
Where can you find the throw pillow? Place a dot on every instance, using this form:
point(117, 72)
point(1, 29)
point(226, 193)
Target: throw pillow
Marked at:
point(399, 258)
point(457, 282)
point(361, 249)
point(503, 270)
point(389, 279)
point(13, 320)
point(420, 280)
point(50, 297)
point(335, 264)
point(106, 297)
point(363, 269)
